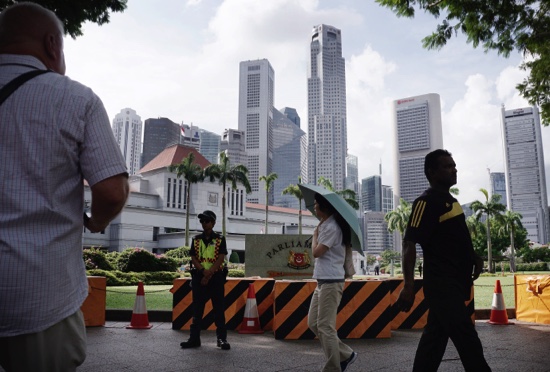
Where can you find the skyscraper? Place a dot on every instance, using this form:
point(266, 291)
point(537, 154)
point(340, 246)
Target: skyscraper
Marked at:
point(327, 126)
point(287, 143)
point(233, 143)
point(209, 145)
point(498, 186)
point(292, 115)
point(524, 170)
point(127, 131)
point(256, 98)
point(159, 134)
point(371, 194)
point(352, 176)
point(417, 124)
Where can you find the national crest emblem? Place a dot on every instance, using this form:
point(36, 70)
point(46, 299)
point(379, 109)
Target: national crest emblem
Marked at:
point(298, 261)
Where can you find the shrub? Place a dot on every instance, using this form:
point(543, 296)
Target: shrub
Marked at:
point(119, 278)
point(95, 258)
point(166, 263)
point(112, 257)
point(535, 266)
point(181, 255)
point(138, 260)
point(235, 273)
point(234, 257)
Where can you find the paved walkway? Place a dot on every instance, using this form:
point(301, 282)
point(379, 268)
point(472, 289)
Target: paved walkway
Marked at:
point(519, 347)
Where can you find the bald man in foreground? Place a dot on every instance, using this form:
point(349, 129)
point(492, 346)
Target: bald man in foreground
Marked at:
point(54, 134)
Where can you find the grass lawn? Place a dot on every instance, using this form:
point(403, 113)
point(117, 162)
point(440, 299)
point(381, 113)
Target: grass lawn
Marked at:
point(159, 297)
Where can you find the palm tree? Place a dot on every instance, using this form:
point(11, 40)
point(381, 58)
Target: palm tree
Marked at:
point(192, 173)
point(491, 208)
point(224, 173)
point(269, 179)
point(511, 221)
point(349, 195)
point(399, 218)
point(454, 191)
point(473, 226)
point(294, 190)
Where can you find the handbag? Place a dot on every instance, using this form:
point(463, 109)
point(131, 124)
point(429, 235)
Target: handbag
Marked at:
point(349, 268)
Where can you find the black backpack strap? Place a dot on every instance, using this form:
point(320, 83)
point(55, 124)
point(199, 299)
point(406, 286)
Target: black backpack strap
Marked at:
point(12, 86)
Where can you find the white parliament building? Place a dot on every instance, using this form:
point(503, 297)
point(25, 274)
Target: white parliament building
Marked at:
point(154, 215)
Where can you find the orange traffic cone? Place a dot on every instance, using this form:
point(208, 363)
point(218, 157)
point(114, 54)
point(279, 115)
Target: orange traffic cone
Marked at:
point(251, 319)
point(498, 310)
point(140, 319)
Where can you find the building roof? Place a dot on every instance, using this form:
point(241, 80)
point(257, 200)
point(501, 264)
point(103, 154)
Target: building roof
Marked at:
point(277, 209)
point(174, 155)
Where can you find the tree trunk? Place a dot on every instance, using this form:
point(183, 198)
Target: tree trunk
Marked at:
point(489, 251)
point(188, 198)
point(512, 253)
point(223, 210)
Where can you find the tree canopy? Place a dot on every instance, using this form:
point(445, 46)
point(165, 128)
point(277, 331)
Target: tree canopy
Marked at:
point(503, 26)
point(75, 12)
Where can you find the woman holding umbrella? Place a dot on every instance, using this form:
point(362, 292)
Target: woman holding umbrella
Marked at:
point(330, 238)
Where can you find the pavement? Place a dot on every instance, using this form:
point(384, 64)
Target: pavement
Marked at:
point(519, 347)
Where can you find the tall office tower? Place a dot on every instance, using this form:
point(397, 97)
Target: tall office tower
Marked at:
point(209, 145)
point(256, 98)
point(287, 146)
point(387, 199)
point(371, 194)
point(417, 125)
point(159, 134)
point(524, 168)
point(387, 205)
point(498, 186)
point(190, 135)
point(234, 146)
point(376, 232)
point(352, 176)
point(292, 115)
point(326, 96)
point(127, 131)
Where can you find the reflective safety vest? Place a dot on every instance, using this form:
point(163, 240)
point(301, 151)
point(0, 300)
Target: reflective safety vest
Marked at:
point(208, 254)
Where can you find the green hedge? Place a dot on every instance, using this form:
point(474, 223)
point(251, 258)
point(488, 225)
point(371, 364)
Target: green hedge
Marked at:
point(119, 278)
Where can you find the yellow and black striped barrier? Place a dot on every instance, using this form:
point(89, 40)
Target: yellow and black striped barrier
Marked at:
point(367, 309)
point(236, 291)
point(417, 316)
point(363, 310)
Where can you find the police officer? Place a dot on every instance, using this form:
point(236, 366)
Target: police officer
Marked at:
point(208, 251)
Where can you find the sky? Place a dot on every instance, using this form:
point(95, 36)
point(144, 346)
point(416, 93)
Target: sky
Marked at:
point(181, 61)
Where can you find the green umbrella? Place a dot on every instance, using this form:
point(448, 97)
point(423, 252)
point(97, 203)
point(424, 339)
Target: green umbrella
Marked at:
point(345, 210)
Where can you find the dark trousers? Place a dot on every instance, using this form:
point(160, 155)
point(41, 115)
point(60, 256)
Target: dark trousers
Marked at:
point(214, 290)
point(448, 318)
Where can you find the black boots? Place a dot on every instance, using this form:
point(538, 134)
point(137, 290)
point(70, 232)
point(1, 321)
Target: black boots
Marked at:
point(222, 342)
point(192, 342)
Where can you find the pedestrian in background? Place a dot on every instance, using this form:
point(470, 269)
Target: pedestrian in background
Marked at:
point(330, 238)
point(208, 251)
point(438, 224)
point(54, 134)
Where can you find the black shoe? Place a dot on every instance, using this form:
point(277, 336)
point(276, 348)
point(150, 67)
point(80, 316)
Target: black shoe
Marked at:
point(222, 342)
point(190, 343)
point(345, 364)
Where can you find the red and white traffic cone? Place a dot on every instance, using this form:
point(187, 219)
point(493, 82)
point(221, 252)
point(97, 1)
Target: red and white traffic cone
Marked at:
point(498, 310)
point(140, 320)
point(251, 319)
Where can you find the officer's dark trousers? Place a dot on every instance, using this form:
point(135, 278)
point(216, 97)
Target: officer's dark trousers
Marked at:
point(201, 293)
point(448, 318)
